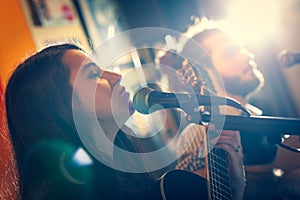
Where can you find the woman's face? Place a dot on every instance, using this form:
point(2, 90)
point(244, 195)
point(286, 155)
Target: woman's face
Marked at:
point(97, 91)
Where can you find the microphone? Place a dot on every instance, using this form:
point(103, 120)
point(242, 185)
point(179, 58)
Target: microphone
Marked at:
point(288, 59)
point(145, 98)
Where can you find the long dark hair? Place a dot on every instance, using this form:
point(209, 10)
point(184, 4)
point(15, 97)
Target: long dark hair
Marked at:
point(39, 110)
point(38, 103)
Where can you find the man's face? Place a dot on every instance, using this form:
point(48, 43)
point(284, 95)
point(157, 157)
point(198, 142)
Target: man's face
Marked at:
point(235, 64)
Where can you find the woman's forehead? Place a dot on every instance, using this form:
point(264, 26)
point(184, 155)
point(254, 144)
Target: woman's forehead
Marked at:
point(74, 57)
point(76, 60)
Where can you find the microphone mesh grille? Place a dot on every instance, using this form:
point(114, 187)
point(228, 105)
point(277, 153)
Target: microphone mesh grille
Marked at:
point(140, 100)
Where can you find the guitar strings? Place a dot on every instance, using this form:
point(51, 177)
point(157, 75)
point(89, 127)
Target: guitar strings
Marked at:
point(219, 178)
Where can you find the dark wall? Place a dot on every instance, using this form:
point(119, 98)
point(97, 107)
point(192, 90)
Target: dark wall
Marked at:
point(172, 14)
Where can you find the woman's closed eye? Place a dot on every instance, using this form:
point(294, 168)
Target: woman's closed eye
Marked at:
point(94, 74)
point(92, 71)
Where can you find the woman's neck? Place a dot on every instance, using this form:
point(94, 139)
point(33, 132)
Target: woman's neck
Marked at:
point(109, 127)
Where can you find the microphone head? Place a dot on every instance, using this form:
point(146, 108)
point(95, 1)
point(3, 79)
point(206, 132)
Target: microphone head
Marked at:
point(140, 100)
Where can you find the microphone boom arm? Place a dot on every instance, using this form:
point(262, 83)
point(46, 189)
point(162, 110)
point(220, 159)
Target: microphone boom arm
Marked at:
point(263, 124)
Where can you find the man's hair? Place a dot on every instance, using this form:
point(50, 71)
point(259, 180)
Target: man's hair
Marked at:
point(204, 34)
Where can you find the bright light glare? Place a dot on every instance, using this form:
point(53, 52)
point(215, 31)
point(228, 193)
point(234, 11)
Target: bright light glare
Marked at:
point(82, 158)
point(278, 172)
point(286, 136)
point(170, 42)
point(253, 21)
point(111, 31)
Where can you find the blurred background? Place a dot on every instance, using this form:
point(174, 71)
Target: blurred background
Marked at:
point(266, 27)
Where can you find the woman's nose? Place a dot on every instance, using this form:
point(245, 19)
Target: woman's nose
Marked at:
point(112, 77)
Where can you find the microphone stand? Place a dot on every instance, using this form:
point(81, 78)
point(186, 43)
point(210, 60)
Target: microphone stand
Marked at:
point(262, 124)
point(273, 127)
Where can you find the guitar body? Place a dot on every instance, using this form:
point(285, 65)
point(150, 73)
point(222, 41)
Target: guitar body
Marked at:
point(180, 184)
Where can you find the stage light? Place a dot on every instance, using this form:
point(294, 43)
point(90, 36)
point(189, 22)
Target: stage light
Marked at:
point(253, 21)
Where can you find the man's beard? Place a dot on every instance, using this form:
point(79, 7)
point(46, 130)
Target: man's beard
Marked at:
point(242, 88)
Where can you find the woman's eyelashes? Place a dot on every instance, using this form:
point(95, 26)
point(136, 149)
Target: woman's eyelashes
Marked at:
point(95, 73)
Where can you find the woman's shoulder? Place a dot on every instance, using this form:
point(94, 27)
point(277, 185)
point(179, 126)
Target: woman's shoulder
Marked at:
point(58, 170)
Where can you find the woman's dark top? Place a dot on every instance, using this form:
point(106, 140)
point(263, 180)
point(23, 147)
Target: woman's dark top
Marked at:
point(53, 173)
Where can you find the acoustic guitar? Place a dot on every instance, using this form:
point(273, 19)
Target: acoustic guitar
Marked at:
point(180, 184)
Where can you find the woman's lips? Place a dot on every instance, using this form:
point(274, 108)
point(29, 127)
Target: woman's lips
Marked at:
point(123, 91)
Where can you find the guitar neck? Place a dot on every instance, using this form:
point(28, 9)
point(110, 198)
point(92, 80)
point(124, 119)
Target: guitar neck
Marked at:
point(219, 181)
point(216, 162)
point(216, 165)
